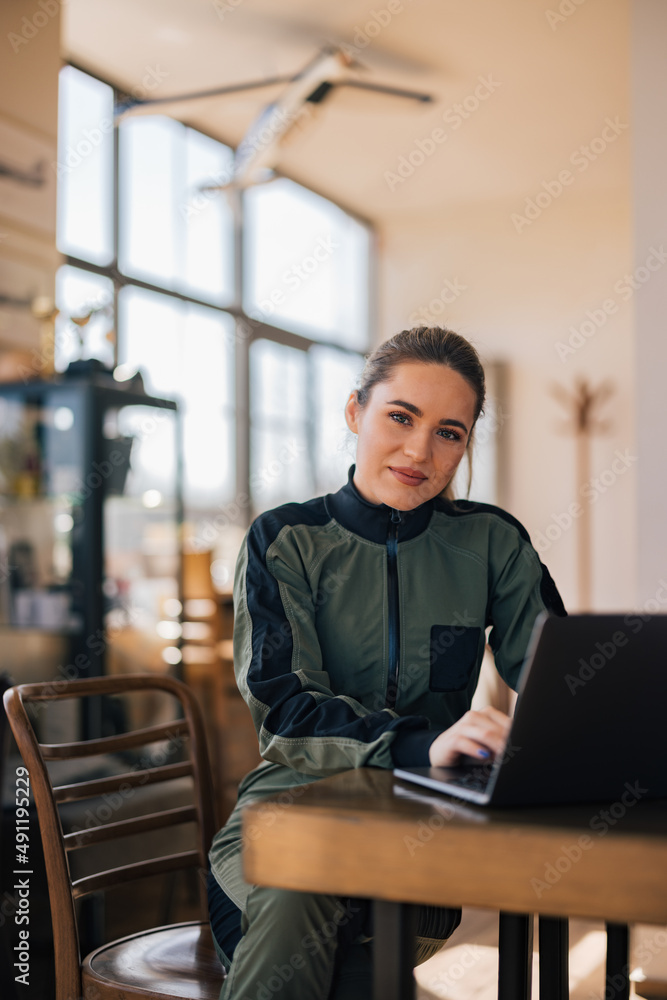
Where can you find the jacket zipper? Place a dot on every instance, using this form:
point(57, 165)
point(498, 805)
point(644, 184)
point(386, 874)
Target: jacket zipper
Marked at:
point(392, 593)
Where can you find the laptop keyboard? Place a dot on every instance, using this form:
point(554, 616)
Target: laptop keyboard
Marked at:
point(474, 778)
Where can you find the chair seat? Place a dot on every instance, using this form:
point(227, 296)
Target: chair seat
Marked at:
point(162, 963)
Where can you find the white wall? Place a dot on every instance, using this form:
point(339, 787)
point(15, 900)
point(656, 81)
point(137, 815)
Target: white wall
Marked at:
point(649, 110)
point(523, 292)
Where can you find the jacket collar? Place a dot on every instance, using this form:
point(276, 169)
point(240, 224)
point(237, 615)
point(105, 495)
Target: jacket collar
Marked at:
point(373, 521)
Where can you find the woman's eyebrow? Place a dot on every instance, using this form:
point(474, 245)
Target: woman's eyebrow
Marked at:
point(418, 413)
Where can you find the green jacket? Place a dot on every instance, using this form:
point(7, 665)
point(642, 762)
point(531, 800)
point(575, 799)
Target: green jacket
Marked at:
point(359, 630)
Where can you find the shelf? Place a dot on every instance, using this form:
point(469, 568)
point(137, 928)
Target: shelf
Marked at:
point(39, 630)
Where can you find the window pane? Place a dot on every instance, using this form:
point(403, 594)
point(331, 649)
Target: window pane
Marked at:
point(152, 434)
point(307, 264)
point(85, 167)
point(278, 382)
point(185, 353)
point(207, 219)
point(279, 454)
point(147, 177)
point(334, 376)
point(77, 293)
point(174, 231)
point(279, 468)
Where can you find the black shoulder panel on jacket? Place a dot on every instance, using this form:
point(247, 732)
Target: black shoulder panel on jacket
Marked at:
point(270, 524)
point(459, 508)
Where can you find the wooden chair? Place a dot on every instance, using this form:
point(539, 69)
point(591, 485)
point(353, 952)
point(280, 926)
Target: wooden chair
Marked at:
point(173, 961)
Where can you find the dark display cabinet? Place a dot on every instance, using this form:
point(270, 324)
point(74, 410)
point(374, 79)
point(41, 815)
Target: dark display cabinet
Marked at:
point(90, 524)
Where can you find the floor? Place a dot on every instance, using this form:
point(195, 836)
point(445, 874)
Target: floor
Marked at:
point(467, 966)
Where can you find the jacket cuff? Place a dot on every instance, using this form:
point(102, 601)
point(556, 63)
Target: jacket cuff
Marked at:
point(410, 749)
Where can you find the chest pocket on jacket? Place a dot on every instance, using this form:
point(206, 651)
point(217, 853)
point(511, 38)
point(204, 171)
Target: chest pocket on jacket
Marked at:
point(453, 656)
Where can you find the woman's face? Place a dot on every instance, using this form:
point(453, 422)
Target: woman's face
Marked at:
point(412, 434)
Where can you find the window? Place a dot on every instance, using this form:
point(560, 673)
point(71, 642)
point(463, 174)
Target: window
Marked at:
point(85, 167)
point(171, 231)
point(307, 264)
point(260, 352)
point(185, 352)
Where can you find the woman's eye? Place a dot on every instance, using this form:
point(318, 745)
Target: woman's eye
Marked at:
point(449, 434)
point(400, 418)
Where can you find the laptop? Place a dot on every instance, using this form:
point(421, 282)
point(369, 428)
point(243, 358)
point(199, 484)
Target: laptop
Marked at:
point(590, 721)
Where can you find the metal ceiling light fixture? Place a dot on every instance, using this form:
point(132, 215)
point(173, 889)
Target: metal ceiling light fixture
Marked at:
point(257, 152)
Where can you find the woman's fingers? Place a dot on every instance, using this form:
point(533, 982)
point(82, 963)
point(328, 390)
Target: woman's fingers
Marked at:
point(481, 734)
point(484, 737)
point(449, 752)
point(499, 717)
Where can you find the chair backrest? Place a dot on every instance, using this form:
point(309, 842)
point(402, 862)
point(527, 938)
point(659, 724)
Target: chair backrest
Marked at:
point(142, 774)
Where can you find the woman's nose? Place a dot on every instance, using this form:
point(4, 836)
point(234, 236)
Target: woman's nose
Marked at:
point(417, 446)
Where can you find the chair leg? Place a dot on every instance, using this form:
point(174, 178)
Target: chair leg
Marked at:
point(515, 956)
point(617, 981)
point(554, 943)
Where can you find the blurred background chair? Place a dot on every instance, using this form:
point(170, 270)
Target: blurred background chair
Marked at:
point(116, 776)
point(208, 669)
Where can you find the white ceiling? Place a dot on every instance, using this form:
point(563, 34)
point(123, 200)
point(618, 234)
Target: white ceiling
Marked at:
point(558, 83)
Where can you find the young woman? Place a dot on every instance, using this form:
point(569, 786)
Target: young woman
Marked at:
point(359, 632)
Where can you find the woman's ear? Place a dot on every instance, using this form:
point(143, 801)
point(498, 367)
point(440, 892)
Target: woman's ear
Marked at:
point(352, 410)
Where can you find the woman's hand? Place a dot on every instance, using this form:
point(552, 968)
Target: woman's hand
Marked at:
point(481, 735)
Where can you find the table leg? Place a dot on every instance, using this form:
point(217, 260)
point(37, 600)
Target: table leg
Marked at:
point(394, 933)
point(515, 956)
point(617, 982)
point(553, 936)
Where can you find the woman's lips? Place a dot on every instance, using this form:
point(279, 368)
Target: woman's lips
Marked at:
point(409, 477)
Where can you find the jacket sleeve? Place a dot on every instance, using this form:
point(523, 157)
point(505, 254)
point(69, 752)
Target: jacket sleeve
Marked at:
point(300, 722)
point(522, 588)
